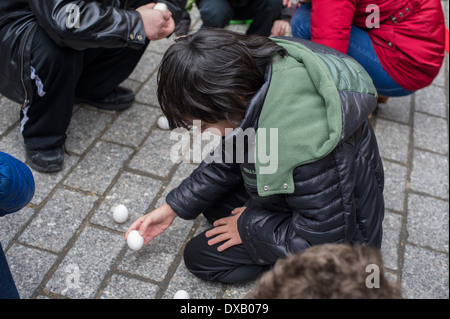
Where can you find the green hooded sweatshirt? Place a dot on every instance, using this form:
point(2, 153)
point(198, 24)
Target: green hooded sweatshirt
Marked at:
point(303, 105)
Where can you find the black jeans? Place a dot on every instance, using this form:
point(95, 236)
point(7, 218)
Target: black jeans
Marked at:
point(218, 13)
point(63, 73)
point(233, 265)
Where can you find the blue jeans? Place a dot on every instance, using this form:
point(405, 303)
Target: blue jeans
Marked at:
point(360, 48)
point(8, 288)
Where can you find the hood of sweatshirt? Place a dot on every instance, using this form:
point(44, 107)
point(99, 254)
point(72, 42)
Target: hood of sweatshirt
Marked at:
point(314, 101)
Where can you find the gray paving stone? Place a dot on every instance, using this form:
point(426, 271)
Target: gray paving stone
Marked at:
point(154, 260)
point(430, 174)
point(394, 185)
point(195, 287)
point(393, 140)
point(85, 265)
point(161, 46)
point(131, 126)
point(45, 183)
point(10, 112)
point(182, 172)
point(154, 155)
point(85, 126)
point(99, 167)
point(430, 133)
point(134, 191)
point(147, 94)
point(238, 291)
point(425, 274)
point(11, 224)
point(396, 109)
point(122, 287)
point(29, 267)
point(148, 65)
point(60, 218)
point(12, 144)
point(428, 222)
point(131, 84)
point(431, 100)
point(391, 240)
point(440, 78)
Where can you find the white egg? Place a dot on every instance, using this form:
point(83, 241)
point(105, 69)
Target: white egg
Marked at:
point(161, 6)
point(163, 123)
point(181, 294)
point(134, 240)
point(120, 214)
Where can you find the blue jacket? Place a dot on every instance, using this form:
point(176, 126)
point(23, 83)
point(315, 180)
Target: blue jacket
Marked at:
point(16, 184)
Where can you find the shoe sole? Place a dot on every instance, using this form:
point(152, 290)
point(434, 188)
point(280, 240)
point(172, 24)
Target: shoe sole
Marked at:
point(49, 169)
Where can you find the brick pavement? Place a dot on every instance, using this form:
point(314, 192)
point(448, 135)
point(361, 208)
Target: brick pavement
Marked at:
point(65, 244)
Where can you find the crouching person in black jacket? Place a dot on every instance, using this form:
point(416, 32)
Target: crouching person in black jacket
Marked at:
point(310, 174)
point(54, 53)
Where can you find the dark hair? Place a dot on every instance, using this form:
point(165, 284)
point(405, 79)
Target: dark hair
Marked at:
point(212, 75)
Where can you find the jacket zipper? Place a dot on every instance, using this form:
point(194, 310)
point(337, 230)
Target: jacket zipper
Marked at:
point(26, 101)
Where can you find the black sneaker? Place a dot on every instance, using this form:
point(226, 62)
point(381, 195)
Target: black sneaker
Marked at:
point(46, 161)
point(120, 99)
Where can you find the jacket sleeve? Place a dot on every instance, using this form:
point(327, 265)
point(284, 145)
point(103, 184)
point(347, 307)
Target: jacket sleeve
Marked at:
point(16, 184)
point(82, 24)
point(331, 22)
point(203, 187)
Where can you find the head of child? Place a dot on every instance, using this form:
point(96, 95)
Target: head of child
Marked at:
point(330, 271)
point(211, 76)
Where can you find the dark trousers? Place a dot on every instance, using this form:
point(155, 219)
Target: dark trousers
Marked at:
point(63, 73)
point(8, 288)
point(233, 265)
point(218, 13)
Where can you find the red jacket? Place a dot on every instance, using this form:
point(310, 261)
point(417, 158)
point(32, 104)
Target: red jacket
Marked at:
point(409, 42)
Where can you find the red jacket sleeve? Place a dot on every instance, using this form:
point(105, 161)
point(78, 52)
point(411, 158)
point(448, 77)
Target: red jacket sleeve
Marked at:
point(331, 22)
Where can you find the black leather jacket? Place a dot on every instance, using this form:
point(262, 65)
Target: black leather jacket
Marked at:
point(107, 23)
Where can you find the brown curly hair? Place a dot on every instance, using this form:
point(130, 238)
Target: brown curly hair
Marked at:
point(330, 271)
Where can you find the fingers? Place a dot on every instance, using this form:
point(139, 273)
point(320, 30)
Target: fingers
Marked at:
point(215, 231)
point(218, 239)
point(238, 210)
point(228, 244)
point(225, 237)
point(134, 226)
point(143, 228)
